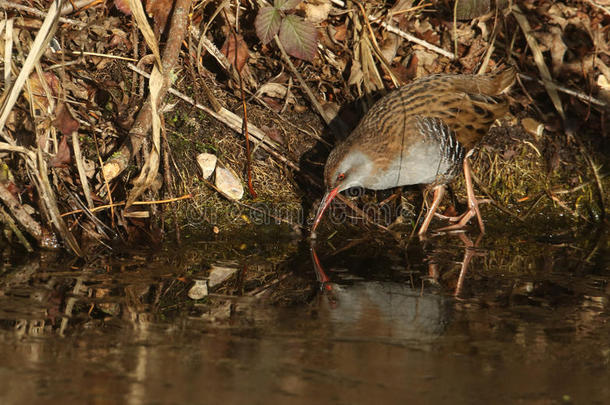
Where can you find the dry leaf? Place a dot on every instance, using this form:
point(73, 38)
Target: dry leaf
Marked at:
point(390, 46)
point(538, 58)
point(159, 10)
point(229, 184)
point(207, 163)
point(276, 90)
point(144, 27)
point(64, 121)
point(317, 11)
point(340, 32)
point(532, 127)
point(274, 134)
point(63, 157)
point(40, 101)
point(237, 55)
point(123, 6)
point(553, 41)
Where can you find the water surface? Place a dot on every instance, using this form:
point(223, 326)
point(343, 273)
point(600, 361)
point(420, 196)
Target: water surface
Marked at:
point(528, 322)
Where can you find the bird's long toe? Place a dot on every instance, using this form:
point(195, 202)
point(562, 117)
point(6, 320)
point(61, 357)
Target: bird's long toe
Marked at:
point(462, 220)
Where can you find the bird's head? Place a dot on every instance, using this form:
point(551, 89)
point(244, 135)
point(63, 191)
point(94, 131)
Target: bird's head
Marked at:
point(345, 168)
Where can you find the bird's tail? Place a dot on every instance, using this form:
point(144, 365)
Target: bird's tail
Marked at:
point(502, 79)
point(491, 84)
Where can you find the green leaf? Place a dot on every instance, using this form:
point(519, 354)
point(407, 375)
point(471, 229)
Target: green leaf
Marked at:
point(286, 4)
point(299, 37)
point(267, 23)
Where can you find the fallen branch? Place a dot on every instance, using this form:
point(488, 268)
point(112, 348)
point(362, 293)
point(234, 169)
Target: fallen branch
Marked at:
point(120, 159)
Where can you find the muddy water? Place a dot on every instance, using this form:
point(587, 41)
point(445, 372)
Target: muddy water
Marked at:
point(526, 321)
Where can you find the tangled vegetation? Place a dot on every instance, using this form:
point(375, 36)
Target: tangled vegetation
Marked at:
point(106, 106)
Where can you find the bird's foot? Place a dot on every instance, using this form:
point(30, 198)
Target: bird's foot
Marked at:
point(458, 218)
point(460, 221)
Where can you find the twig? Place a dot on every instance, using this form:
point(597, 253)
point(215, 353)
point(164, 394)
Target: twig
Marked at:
point(565, 207)
point(378, 52)
point(18, 149)
point(47, 195)
point(170, 185)
point(243, 105)
point(455, 37)
point(70, 306)
point(31, 10)
point(30, 225)
point(6, 218)
point(118, 204)
point(571, 92)
point(265, 287)
point(363, 214)
point(100, 55)
point(416, 40)
point(79, 5)
point(599, 6)
point(78, 157)
point(337, 124)
point(106, 180)
point(8, 49)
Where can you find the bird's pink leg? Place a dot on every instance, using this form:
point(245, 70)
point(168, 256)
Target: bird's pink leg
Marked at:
point(473, 204)
point(439, 191)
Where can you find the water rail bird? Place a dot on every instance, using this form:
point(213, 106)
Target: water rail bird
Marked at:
point(420, 133)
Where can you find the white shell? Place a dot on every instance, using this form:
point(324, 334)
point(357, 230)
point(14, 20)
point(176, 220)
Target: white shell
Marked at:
point(228, 183)
point(207, 162)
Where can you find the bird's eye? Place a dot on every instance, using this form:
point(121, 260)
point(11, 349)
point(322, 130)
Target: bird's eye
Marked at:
point(341, 176)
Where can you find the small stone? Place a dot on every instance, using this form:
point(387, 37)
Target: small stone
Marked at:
point(207, 162)
point(219, 274)
point(198, 290)
point(228, 183)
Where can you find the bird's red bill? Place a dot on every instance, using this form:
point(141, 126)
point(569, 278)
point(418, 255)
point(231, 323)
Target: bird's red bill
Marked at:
point(326, 200)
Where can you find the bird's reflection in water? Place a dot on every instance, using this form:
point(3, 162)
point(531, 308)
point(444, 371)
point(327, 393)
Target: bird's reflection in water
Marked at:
point(416, 293)
point(363, 308)
point(436, 257)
